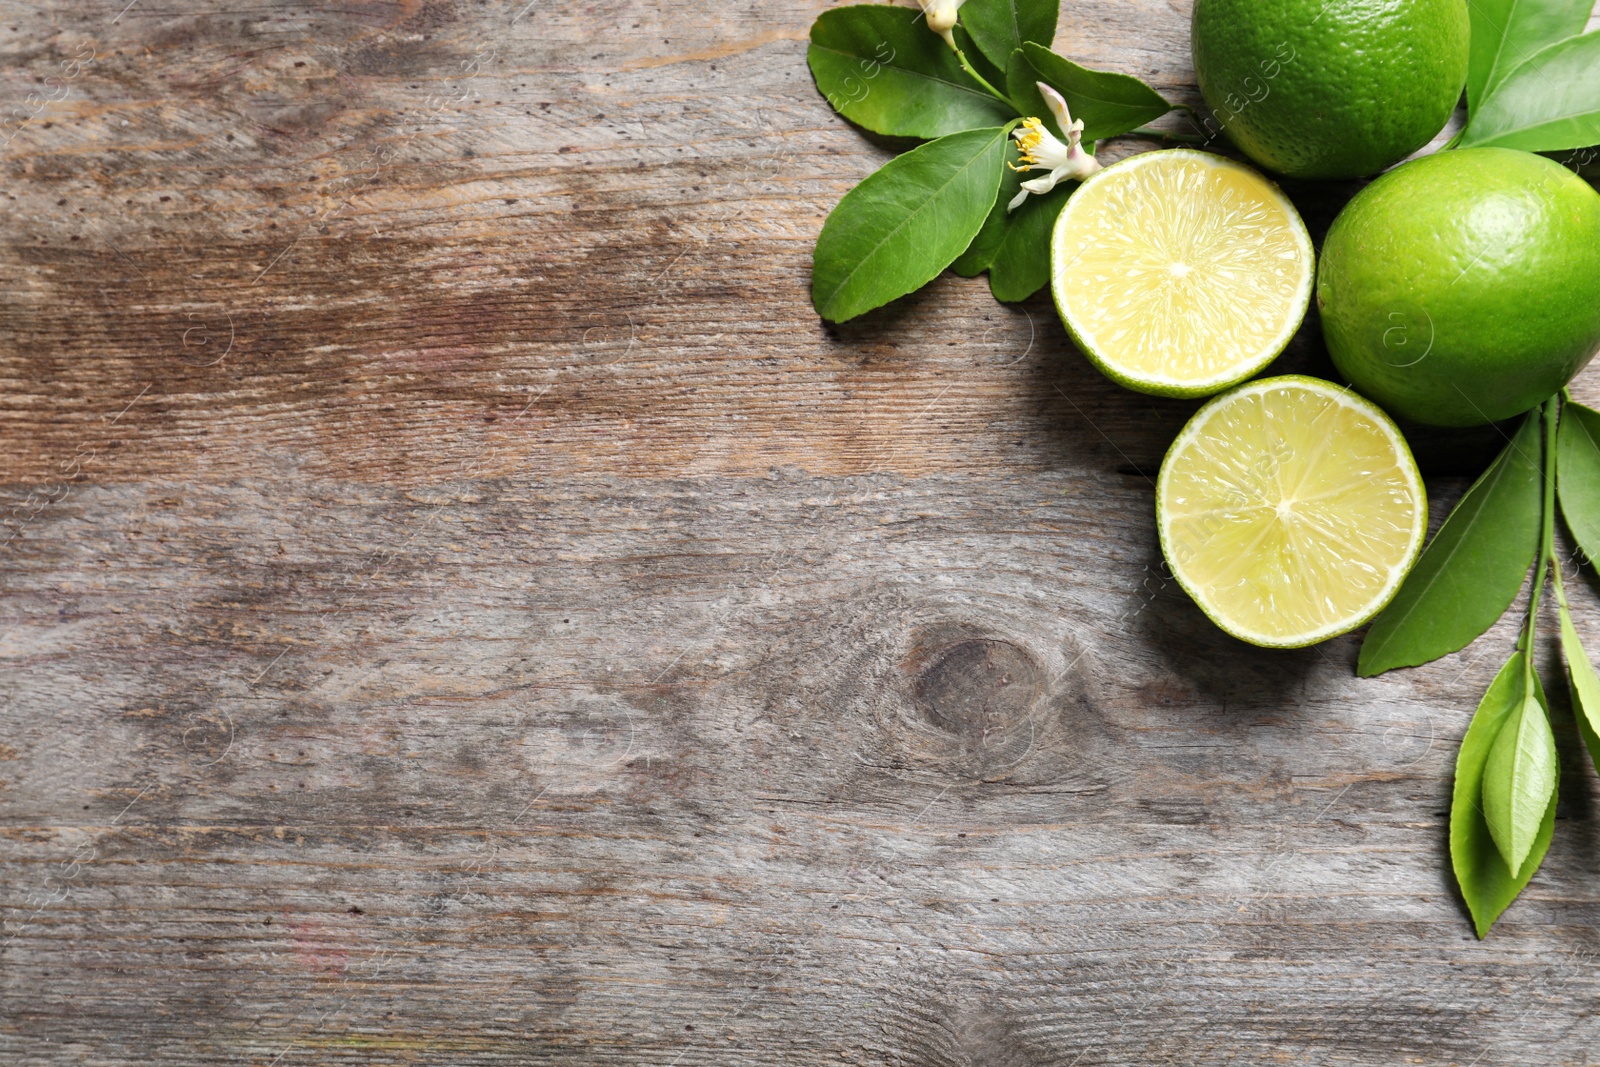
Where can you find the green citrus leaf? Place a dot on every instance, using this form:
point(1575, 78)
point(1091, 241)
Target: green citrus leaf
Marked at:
point(1585, 686)
point(1506, 34)
point(980, 253)
point(1108, 104)
point(1472, 570)
point(1578, 475)
point(1549, 103)
point(1021, 264)
point(1014, 246)
point(1487, 884)
point(881, 68)
point(1519, 778)
point(896, 231)
point(1000, 27)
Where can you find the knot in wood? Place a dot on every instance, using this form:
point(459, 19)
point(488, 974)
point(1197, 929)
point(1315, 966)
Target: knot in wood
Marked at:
point(982, 691)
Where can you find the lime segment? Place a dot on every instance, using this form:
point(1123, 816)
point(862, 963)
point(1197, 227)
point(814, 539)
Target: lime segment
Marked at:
point(1290, 509)
point(1181, 273)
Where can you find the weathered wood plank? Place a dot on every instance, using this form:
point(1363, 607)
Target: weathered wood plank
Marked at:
point(537, 638)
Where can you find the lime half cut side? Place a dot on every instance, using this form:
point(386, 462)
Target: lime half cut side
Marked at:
point(1181, 273)
point(1290, 509)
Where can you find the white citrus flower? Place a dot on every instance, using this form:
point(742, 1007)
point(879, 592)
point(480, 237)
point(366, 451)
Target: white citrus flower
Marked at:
point(942, 17)
point(1041, 150)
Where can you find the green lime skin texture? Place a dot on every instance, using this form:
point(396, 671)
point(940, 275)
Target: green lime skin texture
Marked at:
point(1464, 287)
point(1330, 88)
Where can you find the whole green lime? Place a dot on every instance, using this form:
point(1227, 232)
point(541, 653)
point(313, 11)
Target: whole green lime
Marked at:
point(1464, 287)
point(1330, 88)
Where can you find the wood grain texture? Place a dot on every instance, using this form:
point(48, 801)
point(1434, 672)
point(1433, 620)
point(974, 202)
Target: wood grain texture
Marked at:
point(460, 606)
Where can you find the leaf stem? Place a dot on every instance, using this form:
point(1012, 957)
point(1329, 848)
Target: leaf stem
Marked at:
point(1555, 580)
point(961, 57)
point(1547, 517)
point(1555, 569)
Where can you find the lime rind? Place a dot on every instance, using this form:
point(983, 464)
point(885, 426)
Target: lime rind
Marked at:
point(1397, 569)
point(1293, 312)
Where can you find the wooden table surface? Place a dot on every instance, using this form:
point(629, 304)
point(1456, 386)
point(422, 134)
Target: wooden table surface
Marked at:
point(460, 605)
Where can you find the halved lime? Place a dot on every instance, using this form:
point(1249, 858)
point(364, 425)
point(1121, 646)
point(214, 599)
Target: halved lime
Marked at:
point(1290, 509)
point(1180, 273)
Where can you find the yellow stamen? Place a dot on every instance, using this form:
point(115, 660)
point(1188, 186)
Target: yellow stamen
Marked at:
point(1029, 137)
